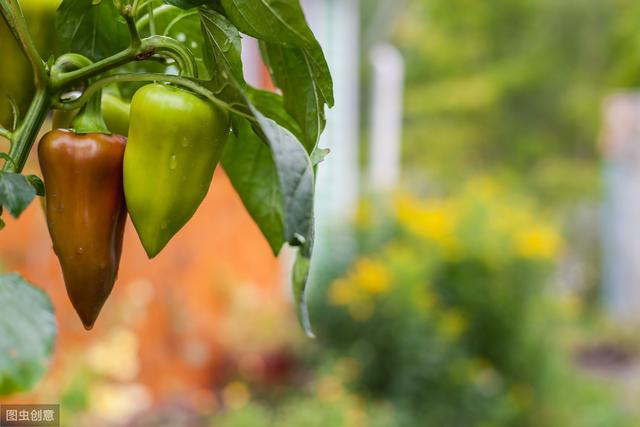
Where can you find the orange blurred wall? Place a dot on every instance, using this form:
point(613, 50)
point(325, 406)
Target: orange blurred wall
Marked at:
point(174, 303)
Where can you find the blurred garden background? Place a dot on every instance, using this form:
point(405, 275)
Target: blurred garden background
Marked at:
point(472, 289)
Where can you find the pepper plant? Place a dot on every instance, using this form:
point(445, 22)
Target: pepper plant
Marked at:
point(180, 61)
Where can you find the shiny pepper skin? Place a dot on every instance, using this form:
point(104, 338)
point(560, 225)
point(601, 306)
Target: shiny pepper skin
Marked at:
point(86, 213)
point(116, 114)
point(175, 141)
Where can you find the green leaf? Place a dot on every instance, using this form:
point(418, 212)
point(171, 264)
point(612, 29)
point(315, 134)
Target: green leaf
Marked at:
point(311, 58)
point(296, 177)
point(318, 155)
point(289, 175)
point(321, 73)
point(250, 167)
point(293, 73)
point(277, 188)
point(295, 58)
point(15, 193)
point(272, 105)
point(224, 46)
point(93, 28)
point(300, 276)
point(37, 184)
point(276, 21)
point(27, 334)
point(297, 184)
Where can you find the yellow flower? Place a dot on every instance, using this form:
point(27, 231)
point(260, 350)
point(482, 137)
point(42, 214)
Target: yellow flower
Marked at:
point(538, 242)
point(342, 292)
point(372, 277)
point(433, 220)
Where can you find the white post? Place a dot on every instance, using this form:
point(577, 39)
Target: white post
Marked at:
point(251, 61)
point(336, 24)
point(621, 213)
point(386, 117)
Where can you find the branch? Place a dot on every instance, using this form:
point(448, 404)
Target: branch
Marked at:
point(127, 14)
point(152, 20)
point(24, 137)
point(150, 77)
point(6, 133)
point(148, 47)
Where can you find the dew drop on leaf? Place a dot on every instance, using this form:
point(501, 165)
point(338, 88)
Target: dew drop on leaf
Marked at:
point(173, 162)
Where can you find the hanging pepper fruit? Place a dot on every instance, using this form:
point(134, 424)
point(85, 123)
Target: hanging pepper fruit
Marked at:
point(116, 113)
point(85, 207)
point(175, 142)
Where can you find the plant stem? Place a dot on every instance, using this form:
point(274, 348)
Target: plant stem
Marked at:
point(25, 135)
point(13, 16)
point(90, 119)
point(146, 77)
point(151, 19)
point(148, 47)
point(131, 25)
point(73, 77)
point(5, 133)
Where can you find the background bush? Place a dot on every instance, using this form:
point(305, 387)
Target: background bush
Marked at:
point(447, 313)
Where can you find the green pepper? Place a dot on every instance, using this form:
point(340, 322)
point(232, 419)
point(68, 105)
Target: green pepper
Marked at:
point(85, 209)
point(176, 140)
point(116, 113)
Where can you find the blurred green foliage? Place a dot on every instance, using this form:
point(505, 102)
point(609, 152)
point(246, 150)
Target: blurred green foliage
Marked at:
point(514, 87)
point(445, 312)
point(308, 411)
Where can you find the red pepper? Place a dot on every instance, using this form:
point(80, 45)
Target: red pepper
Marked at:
point(86, 213)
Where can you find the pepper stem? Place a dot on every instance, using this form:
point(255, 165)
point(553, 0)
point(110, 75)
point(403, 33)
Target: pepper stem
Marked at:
point(90, 119)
